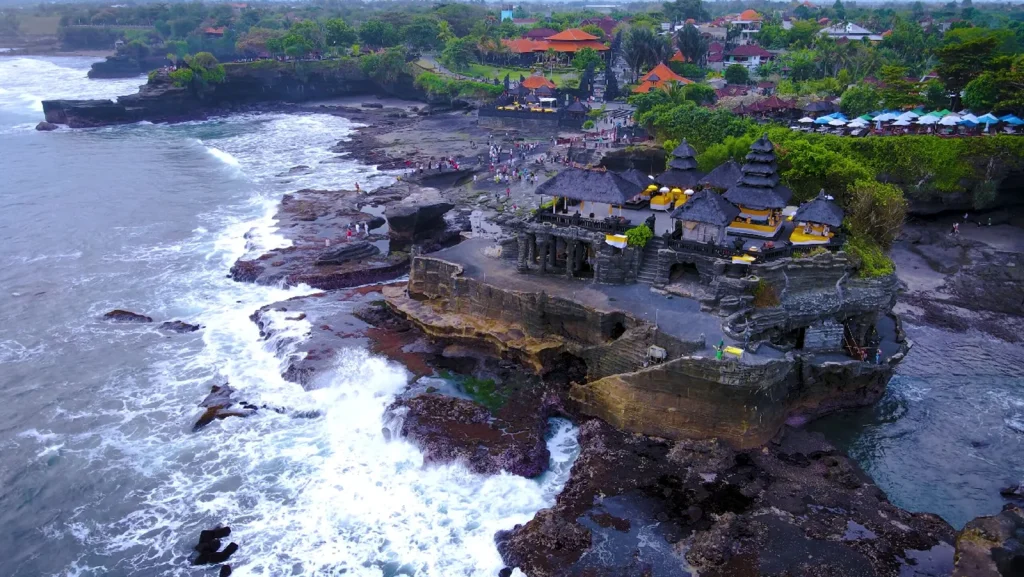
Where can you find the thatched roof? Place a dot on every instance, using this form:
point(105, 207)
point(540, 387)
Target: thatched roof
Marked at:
point(759, 198)
point(675, 178)
point(683, 163)
point(821, 210)
point(723, 176)
point(707, 207)
point(758, 187)
point(762, 145)
point(684, 150)
point(819, 106)
point(638, 177)
point(576, 106)
point(590, 186)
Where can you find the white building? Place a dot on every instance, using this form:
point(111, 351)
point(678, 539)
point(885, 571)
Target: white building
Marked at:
point(850, 31)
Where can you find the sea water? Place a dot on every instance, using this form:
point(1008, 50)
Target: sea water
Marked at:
point(101, 474)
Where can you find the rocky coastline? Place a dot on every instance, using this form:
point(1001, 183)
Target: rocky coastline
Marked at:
point(792, 505)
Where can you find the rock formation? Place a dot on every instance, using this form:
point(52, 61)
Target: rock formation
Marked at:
point(122, 316)
point(992, 546)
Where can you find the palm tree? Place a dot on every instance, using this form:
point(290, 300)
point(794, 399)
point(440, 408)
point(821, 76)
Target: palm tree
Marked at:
point(693, 46)
point(643, 48)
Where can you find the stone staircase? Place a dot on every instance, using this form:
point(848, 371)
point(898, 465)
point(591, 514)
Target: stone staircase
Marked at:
point(648, 272)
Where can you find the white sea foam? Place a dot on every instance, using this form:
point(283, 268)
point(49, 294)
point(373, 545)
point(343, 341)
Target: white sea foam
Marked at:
point(304, 496)
point(26, 81)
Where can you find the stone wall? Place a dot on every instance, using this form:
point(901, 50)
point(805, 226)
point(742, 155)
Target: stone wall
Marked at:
point(695, 397)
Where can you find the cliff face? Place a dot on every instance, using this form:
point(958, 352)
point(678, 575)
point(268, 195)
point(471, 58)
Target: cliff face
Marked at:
point(124, 67)
point(689, 396)
point(246, 84)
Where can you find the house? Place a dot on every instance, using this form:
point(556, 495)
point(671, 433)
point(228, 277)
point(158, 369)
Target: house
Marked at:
point(749, 24)
point(850, 31)
point(749, 55)
point(567, 42)
point(716, 56)
point(661, 76)
point(606, 24)
point(705, 217)
point(539, 33)
point(712, 32)
point(214, 32)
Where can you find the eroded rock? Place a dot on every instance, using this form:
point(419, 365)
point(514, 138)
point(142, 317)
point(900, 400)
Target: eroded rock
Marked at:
point(349, 251)
point(123, 316)
point(992, 546)
point(180, 327)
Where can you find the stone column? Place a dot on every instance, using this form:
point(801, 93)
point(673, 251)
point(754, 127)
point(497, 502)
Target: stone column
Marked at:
point(531, 244)
point(552, 242)
point(524, 248)
point(570, 257)
point(543, 244)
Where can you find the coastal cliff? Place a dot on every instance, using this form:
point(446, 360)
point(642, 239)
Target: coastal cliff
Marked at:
point(246, 85)
point(690, 395)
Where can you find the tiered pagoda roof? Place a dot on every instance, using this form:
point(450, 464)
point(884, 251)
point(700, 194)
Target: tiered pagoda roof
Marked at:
point(758, 186)
point(821, 210)
point(682, 172)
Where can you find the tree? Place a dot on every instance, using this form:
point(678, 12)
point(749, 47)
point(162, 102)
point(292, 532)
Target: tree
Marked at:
point(897, 91)
point(611, 91)
point(458, 53)
point(585, 58)
point(803, 33)
point(384, 67)
point(593, 31)
point(961, 62)
point(1001, 88)
point(935, 95)
point(200, 71)
point(643, 48)
point(135, 50)
point(692, 44)
point(839, 10)
point(875, 211)
point(859, 99)
point(737, 74)
point(917, 10)
point(338, 33)
point(683, 10)
point(378, 34)
point(255, 41)
point(422, 33)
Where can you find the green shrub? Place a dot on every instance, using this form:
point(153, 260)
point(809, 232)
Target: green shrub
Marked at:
point(869, 258)
point(588, 125)
point(439, 85)
point(810, 253)
point(765, 295)
point(639, 235)
point(181, 77)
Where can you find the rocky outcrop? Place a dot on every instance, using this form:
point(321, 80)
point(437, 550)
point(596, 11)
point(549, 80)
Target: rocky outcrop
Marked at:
point(417, 215)
point(449, 429)
point(46, 126)
point(343, 253)
point(247, 84)
point(120, 66)
point(793, 507)
point(220, 404)
point(180, 327)
point(122, 316)
point(992, 546)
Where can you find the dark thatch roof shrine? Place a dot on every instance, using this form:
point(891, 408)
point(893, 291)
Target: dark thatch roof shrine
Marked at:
point(708, 207)
point(821, 210)
point(682, 172)
point(758, 187)
point(723, 176)
point(590, 186)
point(637, 177)
point(577, 106)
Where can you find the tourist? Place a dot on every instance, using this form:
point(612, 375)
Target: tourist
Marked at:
point(357, 187)
point(878, 356)
point(508, 192)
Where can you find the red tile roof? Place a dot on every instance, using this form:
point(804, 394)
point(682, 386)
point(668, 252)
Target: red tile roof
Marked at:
point(659, 77)
point(214, 31)
point(750, 50)
point(525, 45)
point(574, 46)
point(572, 35)
point(606, 24)
point(678, 57)
point(749, 16)
point(535, 82)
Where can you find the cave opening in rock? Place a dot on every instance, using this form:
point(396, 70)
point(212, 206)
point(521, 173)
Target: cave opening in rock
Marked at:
point(618, 329)
point(684, 272)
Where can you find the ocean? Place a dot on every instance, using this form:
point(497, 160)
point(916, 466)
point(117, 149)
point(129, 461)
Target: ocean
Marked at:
point(101, 474)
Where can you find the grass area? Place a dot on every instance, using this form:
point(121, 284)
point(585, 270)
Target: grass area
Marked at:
point(490, 72)
point(38, 25)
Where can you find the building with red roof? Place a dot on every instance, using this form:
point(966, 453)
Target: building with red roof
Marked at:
point(539, 33)
point(661, 76)
point(749, 55)
point(749, 24)
point(536, 81)
point(607, 24)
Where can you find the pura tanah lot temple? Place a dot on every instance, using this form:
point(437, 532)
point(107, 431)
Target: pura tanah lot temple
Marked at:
point(737, 312)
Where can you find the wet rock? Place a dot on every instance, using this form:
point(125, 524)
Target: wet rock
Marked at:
point(734, 506)
point(357, 250)
point(417, 214)
point(225, 571)
point(220, 404)
point(372, 105)
point(992, 546)
point(180, 327)
point(297, 170)
point(215, 557)
point(45, 126)
point(123, 316)
point(246, 270)
point(208, 549)
point(449, 429)
point(1013, 490)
